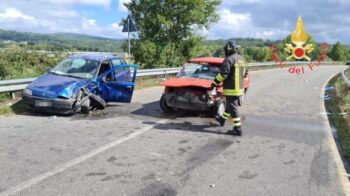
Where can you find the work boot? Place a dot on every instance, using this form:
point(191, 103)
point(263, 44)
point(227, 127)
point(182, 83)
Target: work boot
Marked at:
point(236, 131)
point(220, 120)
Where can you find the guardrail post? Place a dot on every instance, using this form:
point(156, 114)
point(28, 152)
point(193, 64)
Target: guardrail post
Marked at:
point(347, 81)
point(13, 95)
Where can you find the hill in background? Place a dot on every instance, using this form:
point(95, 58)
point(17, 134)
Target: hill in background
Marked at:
point(61, 41)
point(70, 41)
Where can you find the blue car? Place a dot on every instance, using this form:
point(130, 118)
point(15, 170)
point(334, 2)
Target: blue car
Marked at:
point(81, 83)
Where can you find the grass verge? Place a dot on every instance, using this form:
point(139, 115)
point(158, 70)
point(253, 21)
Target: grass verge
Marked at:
point(339, 107)
point(8, 108)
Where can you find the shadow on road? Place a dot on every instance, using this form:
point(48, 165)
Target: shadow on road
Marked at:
point(153, 109)
point(187, 127)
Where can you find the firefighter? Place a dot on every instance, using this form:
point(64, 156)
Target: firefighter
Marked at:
point(232, 73)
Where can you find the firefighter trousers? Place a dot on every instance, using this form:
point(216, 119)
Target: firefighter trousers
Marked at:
point(232, 110)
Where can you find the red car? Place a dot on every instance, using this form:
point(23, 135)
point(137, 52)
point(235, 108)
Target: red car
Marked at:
point(190, 89)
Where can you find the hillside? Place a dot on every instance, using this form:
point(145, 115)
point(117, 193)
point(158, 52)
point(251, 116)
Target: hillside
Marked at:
point(63, 41)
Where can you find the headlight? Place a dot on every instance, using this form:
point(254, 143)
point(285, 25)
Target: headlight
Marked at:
point(28, 92)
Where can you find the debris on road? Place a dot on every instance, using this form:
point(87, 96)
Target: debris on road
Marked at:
point(52, 118)
point(212, 185)
point(329, 88)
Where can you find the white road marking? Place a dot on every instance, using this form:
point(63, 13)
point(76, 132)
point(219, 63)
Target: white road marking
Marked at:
point(155, 154)
point(61, 168)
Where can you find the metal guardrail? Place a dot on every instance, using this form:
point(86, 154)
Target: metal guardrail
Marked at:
point(345, 78)
point(20, 84)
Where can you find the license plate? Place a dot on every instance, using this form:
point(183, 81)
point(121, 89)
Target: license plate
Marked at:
point(42, 103)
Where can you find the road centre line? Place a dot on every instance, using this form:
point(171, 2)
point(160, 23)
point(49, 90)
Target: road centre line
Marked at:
point(61, 168)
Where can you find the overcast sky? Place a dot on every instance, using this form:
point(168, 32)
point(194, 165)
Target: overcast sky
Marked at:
point(325, 20)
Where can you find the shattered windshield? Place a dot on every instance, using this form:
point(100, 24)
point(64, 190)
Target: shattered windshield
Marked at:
point(193, 70)
point(77, 67)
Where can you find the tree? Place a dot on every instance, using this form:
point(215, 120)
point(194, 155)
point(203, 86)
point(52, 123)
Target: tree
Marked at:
point(166, 29)
point(338, 52)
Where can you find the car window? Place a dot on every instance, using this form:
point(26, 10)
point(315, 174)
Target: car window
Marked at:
point(77, 67)
point(124, 74)
point(193, 70)
point(117, 61)
point(105, 66)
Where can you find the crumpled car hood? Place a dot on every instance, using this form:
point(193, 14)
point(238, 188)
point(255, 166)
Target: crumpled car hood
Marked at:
point(52, 86)
point(187, 82)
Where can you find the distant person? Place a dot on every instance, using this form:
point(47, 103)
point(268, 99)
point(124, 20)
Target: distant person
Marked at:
point(232, 73)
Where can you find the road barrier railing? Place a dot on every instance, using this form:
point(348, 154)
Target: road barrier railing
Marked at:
point(346, 79)
point(20, 84)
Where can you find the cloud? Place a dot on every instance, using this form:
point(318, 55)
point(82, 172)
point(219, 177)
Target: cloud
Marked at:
point(230, 25)
point(325, 20)
point(13, 13)
point(121, 6)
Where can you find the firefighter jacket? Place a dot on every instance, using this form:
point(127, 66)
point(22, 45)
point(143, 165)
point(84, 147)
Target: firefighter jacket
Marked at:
point(232, 73)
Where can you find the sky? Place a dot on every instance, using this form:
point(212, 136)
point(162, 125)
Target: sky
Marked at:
point(326, 20)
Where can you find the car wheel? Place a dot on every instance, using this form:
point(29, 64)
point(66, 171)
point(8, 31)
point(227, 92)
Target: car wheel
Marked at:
point(219, 108)
point(97, 102)
point(85, 107)
point(164, 106)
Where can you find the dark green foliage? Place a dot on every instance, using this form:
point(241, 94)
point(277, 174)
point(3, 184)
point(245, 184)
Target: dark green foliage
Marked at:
point(338, 53)
point(165, 28)
point(17, 62)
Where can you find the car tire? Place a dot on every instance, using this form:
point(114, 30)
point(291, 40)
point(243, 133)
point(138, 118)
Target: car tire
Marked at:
point(164, 106)
point(219, 108)
point(85, 107)
point(97, 102)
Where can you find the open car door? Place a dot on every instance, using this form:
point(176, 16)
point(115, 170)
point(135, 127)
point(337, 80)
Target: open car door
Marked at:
point(121, 88)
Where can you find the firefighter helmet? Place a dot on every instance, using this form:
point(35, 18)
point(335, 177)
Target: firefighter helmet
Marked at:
point(230, 48)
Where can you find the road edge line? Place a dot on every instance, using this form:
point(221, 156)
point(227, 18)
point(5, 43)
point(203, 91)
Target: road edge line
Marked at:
point(342, 174)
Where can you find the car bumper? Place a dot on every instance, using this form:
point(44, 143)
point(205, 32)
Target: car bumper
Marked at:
point(57, 106)
point(186, 104)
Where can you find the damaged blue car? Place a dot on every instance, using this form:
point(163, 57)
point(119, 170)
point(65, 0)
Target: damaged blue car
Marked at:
point(82, 82)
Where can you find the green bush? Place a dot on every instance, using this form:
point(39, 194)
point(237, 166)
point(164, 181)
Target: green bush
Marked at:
point(17, 62)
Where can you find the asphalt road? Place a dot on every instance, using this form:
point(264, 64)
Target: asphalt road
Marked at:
point(133, 149)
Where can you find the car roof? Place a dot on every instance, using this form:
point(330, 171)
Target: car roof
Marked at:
point(95, 56)
point(209, 60)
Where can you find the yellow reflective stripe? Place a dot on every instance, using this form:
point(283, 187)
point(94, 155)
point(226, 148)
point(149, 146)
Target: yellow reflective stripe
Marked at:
point(226, 114)
point(233, 92)
point(224, 117)
point(237, 79)
point(236, 119)
point(219, 77)
point(237, 124)
point(242, 63)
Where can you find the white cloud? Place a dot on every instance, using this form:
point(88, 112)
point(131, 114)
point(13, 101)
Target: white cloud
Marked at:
point(116, 26)
point(230, 25)
point(121, 6)
point(226, 3)
point(62, 14)
point(13, 13)
point(92, 22)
